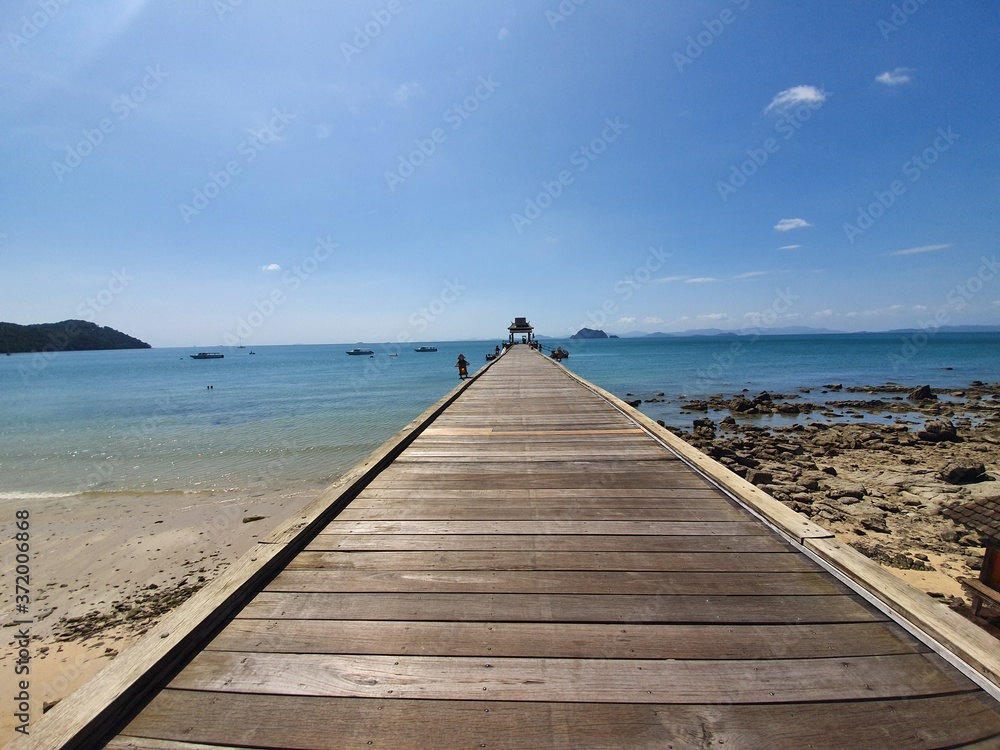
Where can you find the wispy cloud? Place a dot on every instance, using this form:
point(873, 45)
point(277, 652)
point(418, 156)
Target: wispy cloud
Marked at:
point(828, 313)
point(626, 321)
point(503, 34)
point(714, 316)
point(796, 95)
point(406, 92)
point(652, 320)
point(669, 279)
point(700, 280)
point(271, 267)
point(750, 275)
point(895, 77)
point(790, 247)
point(786, 225)
point(921, 249)
point(323, 131)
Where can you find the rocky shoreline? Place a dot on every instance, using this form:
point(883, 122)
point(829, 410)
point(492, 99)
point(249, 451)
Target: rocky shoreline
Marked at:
point(875, 470)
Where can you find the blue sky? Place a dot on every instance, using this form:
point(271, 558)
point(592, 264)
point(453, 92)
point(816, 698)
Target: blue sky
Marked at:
point(197, 171)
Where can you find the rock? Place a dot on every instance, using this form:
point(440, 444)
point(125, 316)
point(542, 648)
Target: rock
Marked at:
point(856, 491)
point(963, 472)
point(251, 519)
point(923, 393)
point(758, 477)
point(695, 406)
point(635, 404)
point(740, 404)
point(939, 431)
point(829, 470)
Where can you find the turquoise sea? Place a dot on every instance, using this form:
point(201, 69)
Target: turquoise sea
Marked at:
point(288, 417)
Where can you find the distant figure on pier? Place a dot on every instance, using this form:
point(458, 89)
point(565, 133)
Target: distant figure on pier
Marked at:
point(463, 366)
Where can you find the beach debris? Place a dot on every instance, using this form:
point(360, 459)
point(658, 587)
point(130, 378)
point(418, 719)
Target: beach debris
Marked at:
point(251, 519)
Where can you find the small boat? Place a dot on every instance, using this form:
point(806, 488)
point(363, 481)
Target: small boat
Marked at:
point(360, 351)
point(426, 349)
point(208, 355)
point(490, 357)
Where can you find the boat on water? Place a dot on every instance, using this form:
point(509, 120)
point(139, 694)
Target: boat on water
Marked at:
point(426, 349)
point(208, 355)
point(360, 351)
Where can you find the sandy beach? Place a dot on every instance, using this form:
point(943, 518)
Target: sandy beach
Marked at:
point(105, 568)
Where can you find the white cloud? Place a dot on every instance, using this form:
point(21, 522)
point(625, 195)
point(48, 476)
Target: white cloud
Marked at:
point(895, 77)
point(406, 92)
point(271, 267)
point(921, 249)
point(714, 316)
point(652, 320)
point(920, 308)
point(895, 308)
point(786, 225)
point(828, 313)
point(790, 247)
point(796, 95)
point(700, 280)
point(503, 33)
point(750, 275)
point(323, 131)
point(668, 279)
point(626, 321)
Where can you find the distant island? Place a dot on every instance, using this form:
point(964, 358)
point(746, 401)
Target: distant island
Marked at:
point(67, 336)
point(589, 333)
point(804, 331)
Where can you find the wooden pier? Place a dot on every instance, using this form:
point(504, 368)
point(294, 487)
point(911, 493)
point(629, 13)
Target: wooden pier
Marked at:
point(532, 564)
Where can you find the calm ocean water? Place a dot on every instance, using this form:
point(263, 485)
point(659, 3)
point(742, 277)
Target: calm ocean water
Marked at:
point(297, 416)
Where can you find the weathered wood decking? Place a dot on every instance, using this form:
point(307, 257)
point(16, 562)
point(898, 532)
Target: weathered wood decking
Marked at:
point(536, 570)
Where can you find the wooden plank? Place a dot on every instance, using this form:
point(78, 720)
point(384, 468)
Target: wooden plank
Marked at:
point(561, 608)
point(442, 430)
point(472, 493)
point(567, 640)
point(507, 513)
point(583, 504)
point(602, 528)
point(759, 542)
point(721, 562)
point(323, 723)
point(557, 582)
point(674, 681)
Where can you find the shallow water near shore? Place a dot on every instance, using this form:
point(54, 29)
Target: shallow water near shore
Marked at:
point(293, 417)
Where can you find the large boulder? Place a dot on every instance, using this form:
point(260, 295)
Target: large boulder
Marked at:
point(963, 472)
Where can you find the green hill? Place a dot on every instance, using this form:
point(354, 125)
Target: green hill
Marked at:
point(67, 336)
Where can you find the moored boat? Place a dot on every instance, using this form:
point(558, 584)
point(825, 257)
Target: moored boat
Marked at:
point(360, 351)
point(208, 355)
point(426, 349)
